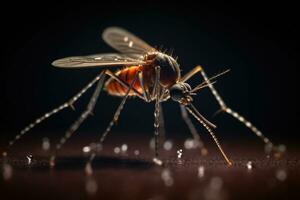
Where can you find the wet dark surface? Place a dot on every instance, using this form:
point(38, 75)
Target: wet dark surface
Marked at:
point(130, 176)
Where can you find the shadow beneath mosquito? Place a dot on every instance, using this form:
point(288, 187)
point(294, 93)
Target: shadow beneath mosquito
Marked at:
point(79, 163)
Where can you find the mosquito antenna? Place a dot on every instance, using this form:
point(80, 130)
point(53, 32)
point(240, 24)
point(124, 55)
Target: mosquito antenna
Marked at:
point(210, 132)
point(219, 74)
point(207, 82)
point(201, 86)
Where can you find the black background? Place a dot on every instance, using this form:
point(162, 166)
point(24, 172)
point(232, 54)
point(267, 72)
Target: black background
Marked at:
point(257, 42)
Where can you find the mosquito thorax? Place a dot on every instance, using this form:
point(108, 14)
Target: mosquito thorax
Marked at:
point(180, 92)
point(169, 69)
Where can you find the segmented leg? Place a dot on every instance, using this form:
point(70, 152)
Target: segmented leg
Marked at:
point(115, 118)
point(188, 121)
point(145, 92)
point(162, 130)
point(161, 116)
point(69, 103)
point(194, 112)
point(82, 118)
point(190, 74)
point(156, 93)
point(236, 115)
point(156, 87)
point(223, 106)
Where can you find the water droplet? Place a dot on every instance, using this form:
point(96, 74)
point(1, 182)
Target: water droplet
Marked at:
point(117, 150)
point(168, 145)
point(46, 144)
point(189, 144)
point(249, 165)
point(91, 186)
point(29, 159)
point(201, 171)
point(136, 152)
point(281, 174)
point(86, 149)
point(165, 174)
point(7, 171)
point(167, 178)
point(157, 161)
point(179, 153)
point(124, 148)
point(52, 161)
point(268, 148)
point(281, 148)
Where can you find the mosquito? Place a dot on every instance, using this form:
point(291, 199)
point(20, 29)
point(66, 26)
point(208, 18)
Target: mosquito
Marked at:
point(140, 70)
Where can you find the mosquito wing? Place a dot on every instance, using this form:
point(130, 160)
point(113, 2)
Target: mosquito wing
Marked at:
point(126, 42)
point(98, 60)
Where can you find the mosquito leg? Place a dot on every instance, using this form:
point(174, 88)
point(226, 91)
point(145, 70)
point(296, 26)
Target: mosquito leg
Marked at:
point(69, 103)
point(80, 120)
point(115, 118)
point(192, 110)
point(223, 107)
point(145, 92)
point(156, 160)
point(162, 129)
point(161, 116)
point(190, 74)
point(197, 139)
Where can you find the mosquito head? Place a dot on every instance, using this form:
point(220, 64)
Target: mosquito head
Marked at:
point(180, 92)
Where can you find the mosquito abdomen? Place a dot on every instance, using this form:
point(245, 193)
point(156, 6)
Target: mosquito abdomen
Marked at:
point(113, 87)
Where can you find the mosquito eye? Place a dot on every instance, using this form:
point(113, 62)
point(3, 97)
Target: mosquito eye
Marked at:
point(176, 93)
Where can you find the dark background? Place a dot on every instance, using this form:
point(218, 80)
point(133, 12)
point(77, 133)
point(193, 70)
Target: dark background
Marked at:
point(257, 42)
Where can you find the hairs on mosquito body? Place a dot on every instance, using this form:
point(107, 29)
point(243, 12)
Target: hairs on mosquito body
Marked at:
point(167, 51)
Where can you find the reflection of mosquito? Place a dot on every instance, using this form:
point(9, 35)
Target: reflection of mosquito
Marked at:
point(147, 73)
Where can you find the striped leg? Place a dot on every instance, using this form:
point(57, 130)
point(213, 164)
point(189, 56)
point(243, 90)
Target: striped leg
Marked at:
point(193, 131)
point(89, 110)
point(156, 94)
point(56, 110)
point(198, 116)
point(234, 114)
point(113, 121)
point(162, 129)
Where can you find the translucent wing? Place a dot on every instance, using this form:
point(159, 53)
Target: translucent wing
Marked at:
point(126, 42)
point(98, 60)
